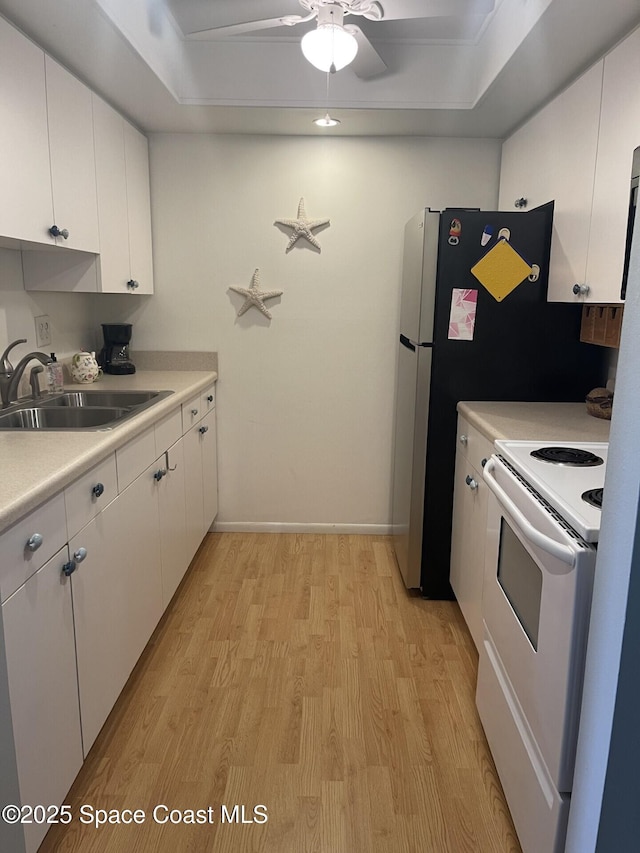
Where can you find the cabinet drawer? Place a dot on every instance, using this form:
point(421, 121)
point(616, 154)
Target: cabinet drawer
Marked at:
point(472, 443)
point(46, 529)
point(192, 412)
point(88, 496)
point(135, 457)
point(168, 431)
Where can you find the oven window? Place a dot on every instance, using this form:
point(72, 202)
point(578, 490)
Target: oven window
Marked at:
point(521, 580)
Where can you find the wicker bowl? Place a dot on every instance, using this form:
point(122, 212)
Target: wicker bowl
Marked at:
point(599, 403)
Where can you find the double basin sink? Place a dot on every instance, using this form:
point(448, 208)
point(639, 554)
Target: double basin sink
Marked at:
point(78, 410)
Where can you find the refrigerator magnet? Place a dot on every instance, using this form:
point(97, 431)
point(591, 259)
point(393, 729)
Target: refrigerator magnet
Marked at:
point(487, 234)
point(501, 270)
point(462, 316)
point(455, 230)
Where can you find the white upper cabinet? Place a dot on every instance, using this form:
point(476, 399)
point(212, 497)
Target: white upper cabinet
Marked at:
point(122, 176)
point(619, 136)
point(26, 211)
point(553, 157)
point(136, 155)
point(73, 169)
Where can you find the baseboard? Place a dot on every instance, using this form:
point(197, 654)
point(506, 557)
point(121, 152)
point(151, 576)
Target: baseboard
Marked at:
point(286, 527)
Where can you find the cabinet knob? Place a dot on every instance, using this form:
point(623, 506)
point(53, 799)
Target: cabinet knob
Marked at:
point(132, 284)
point(203, 429)
point(80, 555)
point(520, 203)
point(34, 542)
point(97, 490)
point(194, 412)
point(59, 232)
point(580, 289)
point(160, 473)
point(69, 568)
point(464, 440)
point(471, 482)
point(210, 398)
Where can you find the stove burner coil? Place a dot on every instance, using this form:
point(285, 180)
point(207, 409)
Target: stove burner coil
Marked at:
point(593, 497)
point(572, 456)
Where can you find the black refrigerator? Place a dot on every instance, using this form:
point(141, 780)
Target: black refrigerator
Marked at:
point(474, 325)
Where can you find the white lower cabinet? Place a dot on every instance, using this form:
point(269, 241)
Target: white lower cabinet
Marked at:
point(77, 614)
point(469, 526)
point(117, 597)
point(43, 689)
point(174, 544)
point(201, 494)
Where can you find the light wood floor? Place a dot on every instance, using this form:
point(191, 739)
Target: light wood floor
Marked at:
point(296, 672)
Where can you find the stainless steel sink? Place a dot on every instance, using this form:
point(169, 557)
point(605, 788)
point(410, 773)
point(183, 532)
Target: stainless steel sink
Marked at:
point(119, 399)
point(78, 410)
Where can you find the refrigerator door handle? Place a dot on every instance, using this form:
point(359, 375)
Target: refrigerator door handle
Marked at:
point(406, 342)
point(409, 344)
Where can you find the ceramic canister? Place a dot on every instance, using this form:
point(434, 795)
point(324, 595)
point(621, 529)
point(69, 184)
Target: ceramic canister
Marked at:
point(84, 367)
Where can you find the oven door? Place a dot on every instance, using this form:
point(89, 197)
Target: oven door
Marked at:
point(536, 603)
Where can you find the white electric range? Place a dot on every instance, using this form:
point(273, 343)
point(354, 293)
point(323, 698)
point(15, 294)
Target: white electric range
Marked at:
point(569, 475)
point(543, 526)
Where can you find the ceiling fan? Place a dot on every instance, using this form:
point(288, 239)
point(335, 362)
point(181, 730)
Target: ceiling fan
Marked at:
point(361, 55)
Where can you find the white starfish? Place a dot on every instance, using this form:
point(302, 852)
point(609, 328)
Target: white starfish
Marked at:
point(255, 296)
point(302, 227)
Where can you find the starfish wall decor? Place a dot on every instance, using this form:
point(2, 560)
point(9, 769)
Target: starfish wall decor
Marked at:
point(254, 296)
point(302, 227)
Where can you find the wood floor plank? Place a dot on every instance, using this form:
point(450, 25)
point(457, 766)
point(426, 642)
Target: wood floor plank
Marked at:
point(296, 672)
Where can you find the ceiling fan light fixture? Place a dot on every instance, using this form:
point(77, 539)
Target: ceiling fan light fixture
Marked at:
point(329, 47)
point(326, 121)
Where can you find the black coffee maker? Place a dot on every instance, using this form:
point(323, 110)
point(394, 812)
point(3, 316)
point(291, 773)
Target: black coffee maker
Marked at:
point(114, 355)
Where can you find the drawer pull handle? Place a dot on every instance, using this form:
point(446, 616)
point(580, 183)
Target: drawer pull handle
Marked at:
point(97, 490)
point(464, 440)
point(471, 482)
point(80, 555)
point(34, 542)
point(210, 398)
point(203, 429)
point(69, 568)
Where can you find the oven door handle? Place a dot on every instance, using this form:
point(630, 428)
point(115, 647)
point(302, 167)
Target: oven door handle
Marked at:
point(562, 552)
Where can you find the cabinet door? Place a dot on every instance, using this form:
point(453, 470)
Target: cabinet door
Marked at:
point(26, 208)
point(117, 597)
point(73, 169)
point(619, 136)
point(208, 445)
point(467, 544)
point(136, 150)
point(193, 489)
point(43, 689)
point(111, 182)
point(174, 544)
point(553, 157)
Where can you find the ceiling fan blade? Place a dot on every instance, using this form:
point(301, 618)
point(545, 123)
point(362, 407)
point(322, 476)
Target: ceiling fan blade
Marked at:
point(248, 27)
point(398, 10)
point(368, 62)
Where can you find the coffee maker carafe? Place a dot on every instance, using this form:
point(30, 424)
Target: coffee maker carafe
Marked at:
point(114, 356)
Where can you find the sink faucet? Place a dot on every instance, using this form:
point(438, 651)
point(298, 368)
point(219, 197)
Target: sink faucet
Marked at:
point(10, 377)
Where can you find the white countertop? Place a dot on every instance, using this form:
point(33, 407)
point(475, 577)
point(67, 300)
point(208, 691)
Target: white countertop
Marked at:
point(35, 465)
point(535, 421)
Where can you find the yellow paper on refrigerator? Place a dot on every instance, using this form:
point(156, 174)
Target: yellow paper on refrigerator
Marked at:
point(501, 270)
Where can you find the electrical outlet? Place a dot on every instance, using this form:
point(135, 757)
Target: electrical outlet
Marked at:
point(43, 331)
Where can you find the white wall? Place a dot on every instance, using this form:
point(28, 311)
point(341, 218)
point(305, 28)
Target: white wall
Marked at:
point(71, 315)
point(306, 399)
